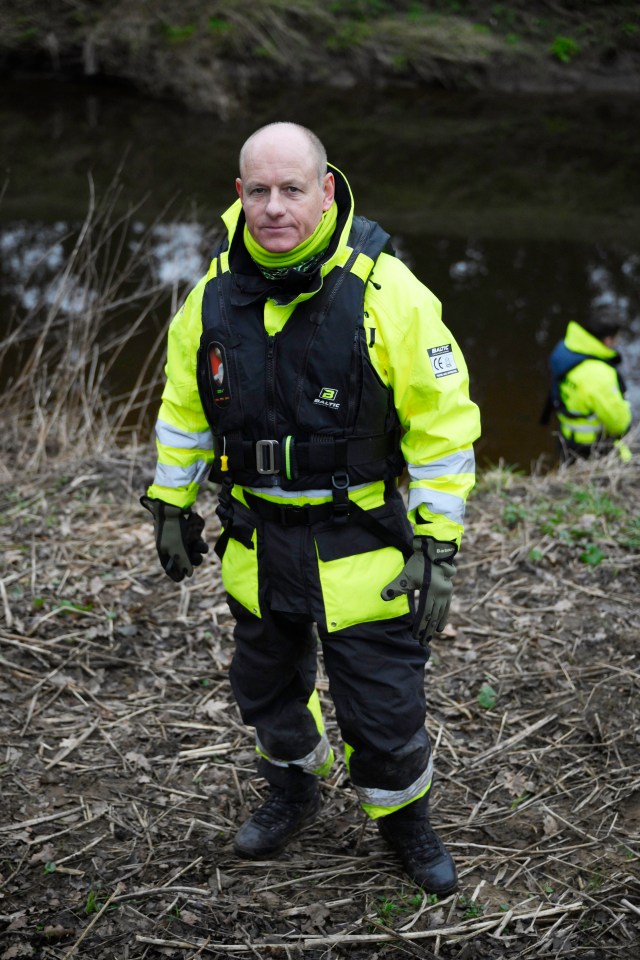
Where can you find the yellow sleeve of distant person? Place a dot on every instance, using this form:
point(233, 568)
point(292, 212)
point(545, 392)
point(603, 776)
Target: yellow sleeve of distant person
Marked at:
point(599, 385)
point(416, 354)
point(183, 439)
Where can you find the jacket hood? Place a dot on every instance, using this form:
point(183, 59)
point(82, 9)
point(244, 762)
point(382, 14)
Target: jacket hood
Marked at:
point(581, 341)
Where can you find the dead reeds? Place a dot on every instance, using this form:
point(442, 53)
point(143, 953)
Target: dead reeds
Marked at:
point(75, 378)
point(127, 768)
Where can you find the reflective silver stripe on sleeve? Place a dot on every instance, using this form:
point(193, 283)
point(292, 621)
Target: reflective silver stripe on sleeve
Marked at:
point(396, 798)
point(463, 461)
point(573, 414)
point(591, 427)
point(312, 762)
point(180, 439)
point(171, 476)
point(445, 504)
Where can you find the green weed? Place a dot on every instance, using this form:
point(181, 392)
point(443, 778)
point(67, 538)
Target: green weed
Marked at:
point(564, 49)
point(349, 34)
point(177, 34)
point(631, 534)
point(471, 908)
point(93, 905)
point(592, 501)
point(415, 12)
point(596, 881)
point(593, 555)
point(502, 12)
point(400, 60)
point(218, 25)
point(386, 909)
point(68, 606)
point(513, 514)
point(487, 697)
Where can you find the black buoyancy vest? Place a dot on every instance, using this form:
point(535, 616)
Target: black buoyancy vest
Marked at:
point(561, 362)
point(299, 407)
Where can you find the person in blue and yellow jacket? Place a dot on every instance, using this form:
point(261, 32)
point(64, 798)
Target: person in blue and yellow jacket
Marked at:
point(587, 389)
point(304, 372)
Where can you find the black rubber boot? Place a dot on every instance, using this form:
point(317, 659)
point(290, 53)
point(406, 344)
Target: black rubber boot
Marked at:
point(267, 832)
point(424, 857)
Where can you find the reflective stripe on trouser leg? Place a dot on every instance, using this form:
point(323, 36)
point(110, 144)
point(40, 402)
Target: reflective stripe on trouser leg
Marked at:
point(273, 676)
point(320, 760)
point(379, 803)
point(376, 678)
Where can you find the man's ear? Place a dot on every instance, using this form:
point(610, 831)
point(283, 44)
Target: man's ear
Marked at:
point(239, 187)
point(328, 188)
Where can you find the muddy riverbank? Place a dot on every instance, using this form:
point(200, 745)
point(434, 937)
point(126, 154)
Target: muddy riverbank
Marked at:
point(218, 57)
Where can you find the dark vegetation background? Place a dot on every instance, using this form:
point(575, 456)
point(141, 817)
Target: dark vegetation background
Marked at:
point(214, 56)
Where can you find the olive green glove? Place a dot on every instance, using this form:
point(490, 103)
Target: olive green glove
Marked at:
point(178, 537)
point(429, 569)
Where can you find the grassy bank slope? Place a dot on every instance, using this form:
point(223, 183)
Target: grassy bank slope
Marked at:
point(215, 57)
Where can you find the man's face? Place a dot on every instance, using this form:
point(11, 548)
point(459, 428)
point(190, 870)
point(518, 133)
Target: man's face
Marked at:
point(282, 198)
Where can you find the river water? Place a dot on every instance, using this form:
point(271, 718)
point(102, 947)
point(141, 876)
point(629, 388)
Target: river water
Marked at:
point(517, 212)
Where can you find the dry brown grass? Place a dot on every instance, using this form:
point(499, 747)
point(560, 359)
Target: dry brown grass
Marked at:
point(126, 767)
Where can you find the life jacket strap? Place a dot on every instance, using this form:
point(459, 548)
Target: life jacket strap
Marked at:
point(295, 459)
point(339, 510)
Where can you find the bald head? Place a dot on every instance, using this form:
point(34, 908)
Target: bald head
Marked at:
point(284, 185)
point(285, 136)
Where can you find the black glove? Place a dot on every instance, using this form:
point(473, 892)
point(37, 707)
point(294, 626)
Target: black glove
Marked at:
point(178, 537)
point(430, 570)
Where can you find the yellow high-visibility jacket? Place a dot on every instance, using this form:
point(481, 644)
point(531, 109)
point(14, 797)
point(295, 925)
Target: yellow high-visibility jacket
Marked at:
point(413, 353)
point(592, 403)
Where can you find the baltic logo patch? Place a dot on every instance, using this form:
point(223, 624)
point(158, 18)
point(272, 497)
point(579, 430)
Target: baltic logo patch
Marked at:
point(442, 360)
point(327, 398)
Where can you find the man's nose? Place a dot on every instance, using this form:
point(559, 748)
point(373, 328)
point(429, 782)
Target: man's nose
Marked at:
point(275, 206)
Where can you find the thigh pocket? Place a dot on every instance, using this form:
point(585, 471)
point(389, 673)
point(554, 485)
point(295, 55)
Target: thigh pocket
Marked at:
point(238, 550)
point(354, 565)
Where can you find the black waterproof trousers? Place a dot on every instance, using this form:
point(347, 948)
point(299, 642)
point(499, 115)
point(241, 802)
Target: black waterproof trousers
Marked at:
point(375, 672)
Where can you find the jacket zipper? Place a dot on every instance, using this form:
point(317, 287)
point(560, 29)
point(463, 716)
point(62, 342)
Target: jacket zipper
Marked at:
point(355, 383)
point(271, 386)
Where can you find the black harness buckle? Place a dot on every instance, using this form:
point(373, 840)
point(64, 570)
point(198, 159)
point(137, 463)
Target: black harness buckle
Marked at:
point(340, 493)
